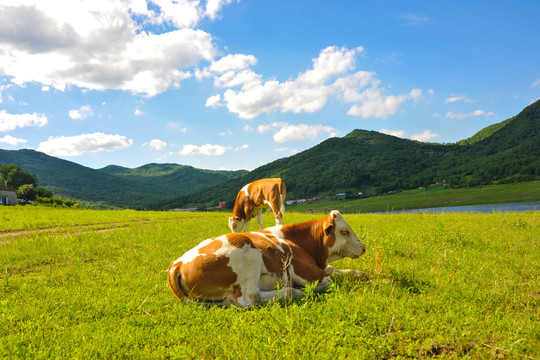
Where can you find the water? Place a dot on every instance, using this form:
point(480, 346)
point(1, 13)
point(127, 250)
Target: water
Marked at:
point(487, 208)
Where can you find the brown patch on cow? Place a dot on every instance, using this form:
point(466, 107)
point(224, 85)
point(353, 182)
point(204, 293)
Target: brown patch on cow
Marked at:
point(310, 236)
point(274, 259)
point(211, 247)
point(239, 240)
point(174, 275)
point(305, 266)
point(208, 277)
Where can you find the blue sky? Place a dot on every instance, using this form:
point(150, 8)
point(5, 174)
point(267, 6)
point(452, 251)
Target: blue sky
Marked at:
point(227, 84)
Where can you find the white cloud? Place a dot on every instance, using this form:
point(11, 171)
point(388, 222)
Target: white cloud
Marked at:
point(302, 131)
point(536, 83)
point(267, 127)
point(138, 112)
point(213, 101)
point(456, 98)
point(242, 147)
point(158, 144)
point(332, 74)
point(452, 99)
point(376, 104)
point(482, 113)
point(9, 122)
point(414, 19)
point(84, 143)
point(397, 133)
point(98, 45)
point(213, 7)
point(232, 62)
point(416, 95)
point(453, 115)
point(424, 136)
point(8, 139)
point(82, 113)
point(206, 149)
point(176, 126)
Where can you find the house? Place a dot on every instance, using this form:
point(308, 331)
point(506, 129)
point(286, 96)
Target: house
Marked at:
point(8, 195)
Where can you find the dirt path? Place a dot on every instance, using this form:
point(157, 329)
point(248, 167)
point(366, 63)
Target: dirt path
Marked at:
point(7, 236)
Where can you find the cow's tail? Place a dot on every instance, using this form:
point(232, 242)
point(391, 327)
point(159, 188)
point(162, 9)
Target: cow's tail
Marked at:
point(175, 276)
point(283, 195)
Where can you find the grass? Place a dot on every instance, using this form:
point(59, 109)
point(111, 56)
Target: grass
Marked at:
point(434, 196)
point(442, 285)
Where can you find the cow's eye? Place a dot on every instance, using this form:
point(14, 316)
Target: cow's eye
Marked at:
point(344, 233)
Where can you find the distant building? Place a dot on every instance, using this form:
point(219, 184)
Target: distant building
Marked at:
point(222, 204)
point(8, 195)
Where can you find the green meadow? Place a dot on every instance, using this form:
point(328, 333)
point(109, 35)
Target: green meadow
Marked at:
point(85, 284)
point(433, 196)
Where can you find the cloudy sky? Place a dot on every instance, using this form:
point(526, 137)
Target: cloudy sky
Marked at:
point(234, 84)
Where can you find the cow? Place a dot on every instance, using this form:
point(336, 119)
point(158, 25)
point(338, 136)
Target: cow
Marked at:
point(252, 198)
point(246, 269)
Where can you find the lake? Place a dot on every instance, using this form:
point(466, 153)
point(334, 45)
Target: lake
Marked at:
point(486, 208)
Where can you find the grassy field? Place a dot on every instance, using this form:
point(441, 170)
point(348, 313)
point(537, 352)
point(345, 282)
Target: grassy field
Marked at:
point(92, 284)
point(434, 196)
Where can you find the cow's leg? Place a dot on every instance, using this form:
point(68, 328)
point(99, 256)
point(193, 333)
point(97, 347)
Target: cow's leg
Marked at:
point(260, 219)
point(311, 274)
point(347, 272)
point(275, 206)
point(286, 293)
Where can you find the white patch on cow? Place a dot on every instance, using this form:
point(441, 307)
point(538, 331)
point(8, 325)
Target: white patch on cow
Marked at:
point(246, 263)
point(193, 253)
point(245, 190)
point(268, 204)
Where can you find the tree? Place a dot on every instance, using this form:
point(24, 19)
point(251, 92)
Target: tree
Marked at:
point(15, 176)
point(27, 192)
point(44, 192)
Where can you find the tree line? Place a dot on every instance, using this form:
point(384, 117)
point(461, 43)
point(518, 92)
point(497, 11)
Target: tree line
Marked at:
point(27, 189)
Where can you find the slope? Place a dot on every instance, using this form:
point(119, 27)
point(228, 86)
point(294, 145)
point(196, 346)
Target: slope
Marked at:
point(371, 162)
point(113, 186)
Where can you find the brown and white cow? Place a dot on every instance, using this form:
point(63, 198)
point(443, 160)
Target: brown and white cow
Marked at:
point(252, 198)
point(244, 269)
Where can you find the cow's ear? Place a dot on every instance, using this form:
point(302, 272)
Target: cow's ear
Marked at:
point(328, 229)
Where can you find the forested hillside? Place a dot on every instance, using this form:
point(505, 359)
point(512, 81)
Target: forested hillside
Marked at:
point(371, 162)
point(114, 186)
point(362, 161)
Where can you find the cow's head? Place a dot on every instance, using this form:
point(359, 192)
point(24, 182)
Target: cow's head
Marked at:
point(346, 243)
point(236, 224)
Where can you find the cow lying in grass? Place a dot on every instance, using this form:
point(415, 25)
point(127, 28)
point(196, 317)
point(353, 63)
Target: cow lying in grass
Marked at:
point(244, 269)
point(252, 198)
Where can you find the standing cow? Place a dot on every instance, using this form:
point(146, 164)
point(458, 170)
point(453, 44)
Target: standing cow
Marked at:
point(264, 193)
point(243, 269)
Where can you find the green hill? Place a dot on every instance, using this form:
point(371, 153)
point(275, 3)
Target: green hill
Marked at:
point(114, 186)
point(362, 161)
point(371, 162)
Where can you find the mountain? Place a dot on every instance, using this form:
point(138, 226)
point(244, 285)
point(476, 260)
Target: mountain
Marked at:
point(362, 161)
point(371, 162)
point(114, 186)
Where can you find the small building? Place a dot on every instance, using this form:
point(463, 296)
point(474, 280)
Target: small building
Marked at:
point(222, 204)
point(8, 196)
